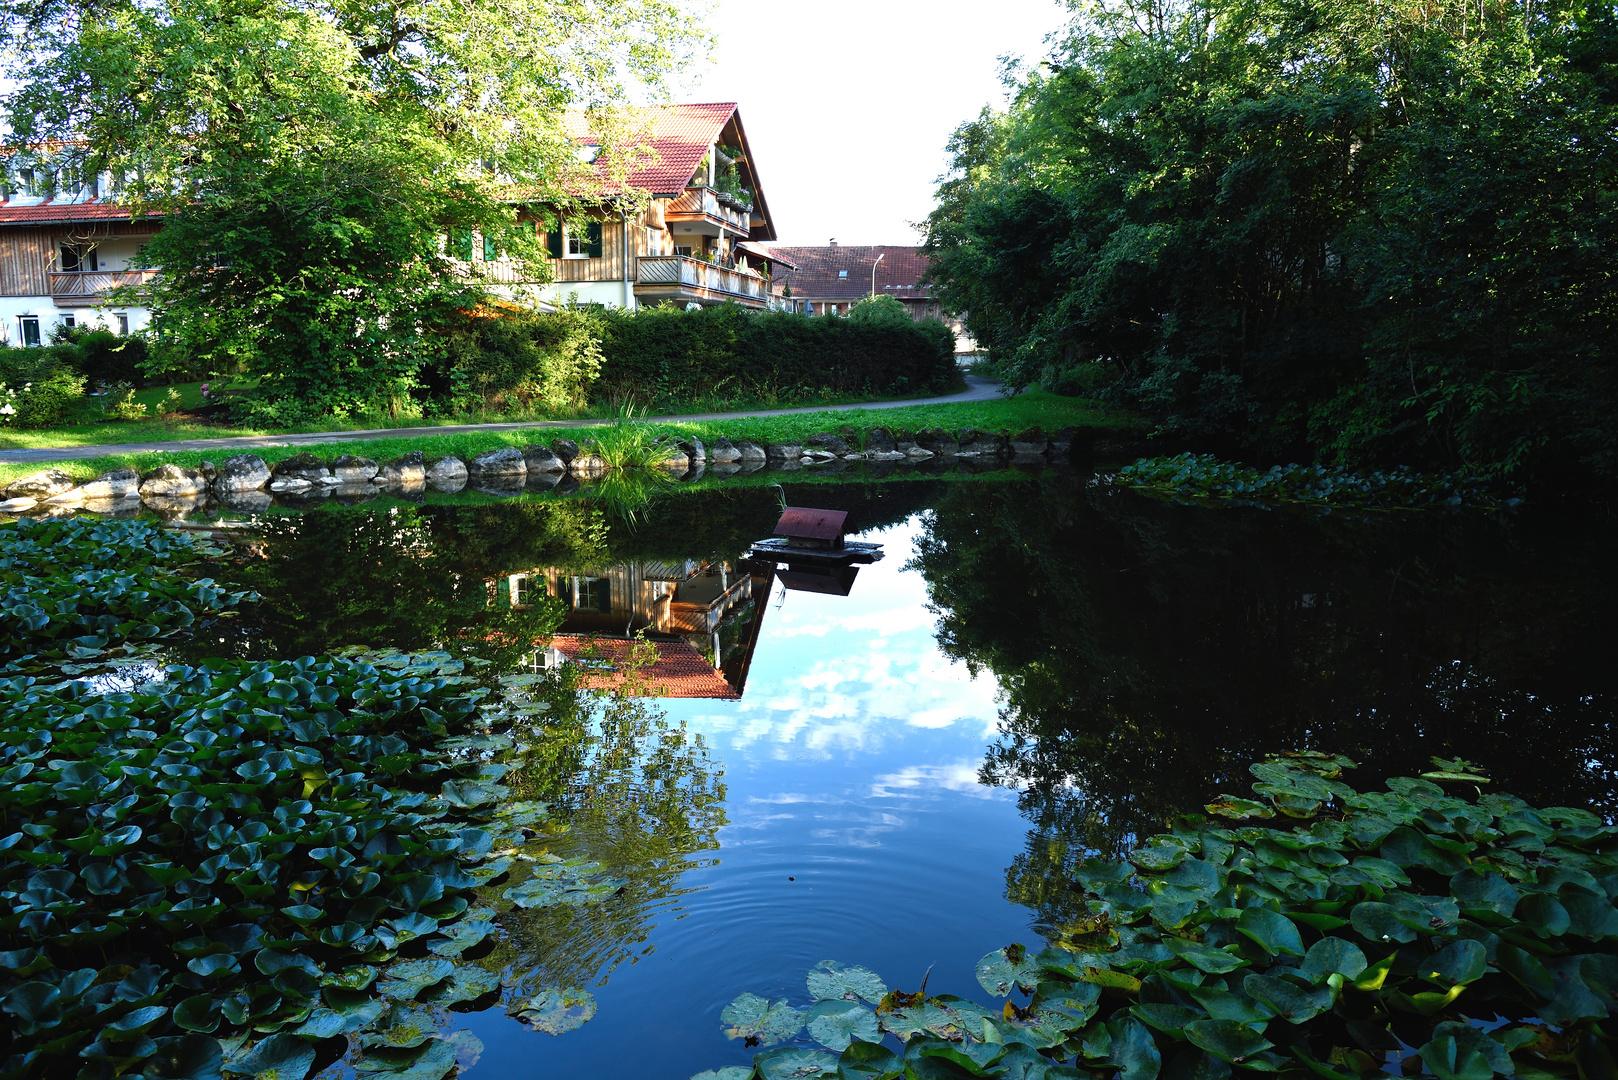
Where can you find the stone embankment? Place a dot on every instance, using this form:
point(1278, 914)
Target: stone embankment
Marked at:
point(246, 484)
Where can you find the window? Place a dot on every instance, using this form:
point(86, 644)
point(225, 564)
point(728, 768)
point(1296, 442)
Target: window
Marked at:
point(522, 590)
point(75, 258)
point(123, 323)
point(842, 273)
point(69, 320)
point(680, 249)
point(461, 244)
point(30, 330)
point(592, 594)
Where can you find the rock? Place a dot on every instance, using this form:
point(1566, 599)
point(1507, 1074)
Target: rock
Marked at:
point(40, 485)
point(502, 486)
point(751, 451)
point(723, 452)
point(879, 440)
point(208, 470)
point(244, 472)
point(506, 462)
point(290, 484)
point(349, 470)
point(723, 469)
point(538, 483)
point(566, 449)
point(939, 442)
point(118, 484)
point(566, 486)
point(19, 505)
point(918, 454)
point(793, 464)
point(254, 501)
point(447, 475)
point(1032, 441)
point(677, 463)
point(172, 482)
point(975, 443)
point(776, 453)
point(541, 459)
point(694, 472)
point(304, 466)
point(693, 448)
point(405, 471)
point(889, 455)
point(824, 441)
point(587, 464)
point(73, 496)
point(815, 455)
point(114, 508)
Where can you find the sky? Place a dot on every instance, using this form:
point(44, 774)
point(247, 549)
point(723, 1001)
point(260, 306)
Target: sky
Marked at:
point(848, 103)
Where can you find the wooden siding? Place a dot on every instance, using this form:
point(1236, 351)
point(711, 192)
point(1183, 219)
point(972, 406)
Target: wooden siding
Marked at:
point(26, 258)
point(609, 267)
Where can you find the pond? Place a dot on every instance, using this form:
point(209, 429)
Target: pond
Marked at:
point(903, 776)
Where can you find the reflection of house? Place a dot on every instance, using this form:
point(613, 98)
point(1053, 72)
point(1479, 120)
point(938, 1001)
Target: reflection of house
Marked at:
point(699, 616)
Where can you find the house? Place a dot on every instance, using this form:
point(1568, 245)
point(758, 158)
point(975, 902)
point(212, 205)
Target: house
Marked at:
point(691, 229)
point(698, 619)
point(63, 247)
point(829, 280)
point(699, 240)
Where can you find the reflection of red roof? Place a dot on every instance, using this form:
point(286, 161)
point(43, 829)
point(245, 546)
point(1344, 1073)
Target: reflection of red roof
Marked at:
point(808, 524)
point(679, 134)
point(678, 672)
point(52, 213)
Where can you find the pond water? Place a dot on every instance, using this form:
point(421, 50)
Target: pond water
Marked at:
point(899, 777)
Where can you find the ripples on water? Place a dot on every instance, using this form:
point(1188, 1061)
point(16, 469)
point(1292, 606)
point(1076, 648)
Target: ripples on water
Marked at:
point(1038, 669)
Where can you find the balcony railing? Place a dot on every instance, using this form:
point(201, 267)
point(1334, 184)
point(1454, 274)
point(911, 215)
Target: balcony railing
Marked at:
point(85, 288)
point(682, 270)
point(701, 200)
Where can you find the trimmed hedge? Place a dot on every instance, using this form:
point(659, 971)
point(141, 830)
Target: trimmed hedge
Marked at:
point(663, 354)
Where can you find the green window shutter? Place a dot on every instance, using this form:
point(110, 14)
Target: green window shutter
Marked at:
point(604, 597)
point(595, 239)
point(491, 250)
point(460, 244)
point(553, 240)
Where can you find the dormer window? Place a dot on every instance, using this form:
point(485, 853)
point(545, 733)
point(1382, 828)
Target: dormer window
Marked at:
point(842, 273)
point(586, 153)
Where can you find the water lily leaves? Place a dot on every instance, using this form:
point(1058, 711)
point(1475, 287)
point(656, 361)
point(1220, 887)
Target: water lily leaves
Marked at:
point(395, 932)
point(862, 1061)
point(829, 979)
point(430, 1061)
point(279, 1057)
point(795, 1063)
point(1204, 958)
point(466, 984)
point(1005, 968)
point(322, 1024)
point(729, 1072)
point(1380, 922)
point(1274, 932)
point(836, 1023)
point(1459, 962)
point(558, 1011)
point(1227, 1040)
point(36, 1006)
point(1134, 1050)
point(752, 1017)
point(188, 1057)
point(404, 981)
point(1484, 895)
point(1332, 955)
point(405, 1028)
point(1451, 1059)
point(1232, 807)
point(1290, 1001)
point(357, 977)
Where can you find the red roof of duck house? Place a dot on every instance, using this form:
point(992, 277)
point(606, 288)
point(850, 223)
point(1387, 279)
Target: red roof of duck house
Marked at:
point(807, 524)
point(678, 672)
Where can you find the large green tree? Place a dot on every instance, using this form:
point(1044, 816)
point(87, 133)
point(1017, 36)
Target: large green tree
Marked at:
point(310, 158)
point(1359, 229)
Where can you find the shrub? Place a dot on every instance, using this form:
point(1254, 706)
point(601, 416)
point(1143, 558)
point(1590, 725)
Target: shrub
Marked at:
point(102, 356)
point(54, 386)
point(520, 361)
point(1315, 931)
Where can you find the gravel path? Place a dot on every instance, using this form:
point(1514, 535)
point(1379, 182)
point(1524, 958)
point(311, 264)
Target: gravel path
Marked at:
point(976, 390)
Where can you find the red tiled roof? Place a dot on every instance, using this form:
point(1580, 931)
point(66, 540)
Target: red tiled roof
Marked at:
point(678, 672)
point(679, 136)
point(898, 275)
point(765, 251)
point(52, 213)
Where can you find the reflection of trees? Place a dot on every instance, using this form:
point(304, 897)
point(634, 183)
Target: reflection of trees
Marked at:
point(641, 797)
point(1149, 653)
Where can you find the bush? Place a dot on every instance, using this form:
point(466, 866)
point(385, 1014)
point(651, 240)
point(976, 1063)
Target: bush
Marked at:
point(664, 354)
point(102, 356)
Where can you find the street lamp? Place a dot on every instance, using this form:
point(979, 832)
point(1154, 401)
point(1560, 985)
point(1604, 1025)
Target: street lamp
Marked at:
point(879, 258)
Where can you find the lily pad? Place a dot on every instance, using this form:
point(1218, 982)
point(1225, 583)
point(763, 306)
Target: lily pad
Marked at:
point(557, 1011)
point(431, 1061)
point(829, 979)
point(795, 1063)
point(752, 1017)
point(1008, 967)
point(280, 1057)
point(836, 1023)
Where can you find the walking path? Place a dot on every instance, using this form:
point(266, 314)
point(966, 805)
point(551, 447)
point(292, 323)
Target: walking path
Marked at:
point(977, 389)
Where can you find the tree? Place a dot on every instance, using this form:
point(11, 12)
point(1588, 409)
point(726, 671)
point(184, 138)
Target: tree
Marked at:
point(309, 159)
point(1367, 232)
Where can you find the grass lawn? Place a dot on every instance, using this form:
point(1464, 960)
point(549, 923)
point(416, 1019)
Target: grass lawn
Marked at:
point(1028, 409)
point(95, 431)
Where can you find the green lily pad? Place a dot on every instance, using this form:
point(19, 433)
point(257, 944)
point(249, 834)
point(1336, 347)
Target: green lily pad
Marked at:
point(752, 1017)
point(836, 1023)
point(1228, 1040)
point(405, 981)
point(431, 1061)
point(1332, 955)
point(729, 1072)
point(1008, 967)
point(795, 1063)
point(279, 1057)
point(828, 980)
point(406, 1028)
point(1274, 932)
point(557, 1011)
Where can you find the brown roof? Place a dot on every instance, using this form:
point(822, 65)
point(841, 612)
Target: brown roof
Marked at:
point(678, 672)
point(54, 213)
point(679, 135)
point(897, 275)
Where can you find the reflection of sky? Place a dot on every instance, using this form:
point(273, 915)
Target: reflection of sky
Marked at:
point(858, 832)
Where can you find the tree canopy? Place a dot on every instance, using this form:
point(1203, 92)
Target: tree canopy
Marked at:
point(1364, 232)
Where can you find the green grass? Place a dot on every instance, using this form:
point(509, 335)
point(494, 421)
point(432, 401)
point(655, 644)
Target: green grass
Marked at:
point(96, 430)
point(1026, 410)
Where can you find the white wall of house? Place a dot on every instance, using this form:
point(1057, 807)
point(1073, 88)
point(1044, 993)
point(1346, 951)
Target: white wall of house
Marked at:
point(605, 293)
point(14, 309)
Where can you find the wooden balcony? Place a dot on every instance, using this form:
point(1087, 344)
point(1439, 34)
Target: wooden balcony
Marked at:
point(678, 277)
point(89, 288)
point(705, 205)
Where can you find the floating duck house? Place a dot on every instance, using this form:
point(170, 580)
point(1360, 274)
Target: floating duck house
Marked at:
point(811, 543)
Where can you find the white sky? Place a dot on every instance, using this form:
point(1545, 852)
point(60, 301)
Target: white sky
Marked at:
point(848, 103)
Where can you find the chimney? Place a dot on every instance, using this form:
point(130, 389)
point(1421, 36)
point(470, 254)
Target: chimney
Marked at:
point(834, 241)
